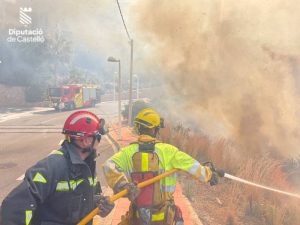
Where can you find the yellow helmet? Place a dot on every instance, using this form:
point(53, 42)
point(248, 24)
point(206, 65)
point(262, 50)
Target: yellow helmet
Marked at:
point(148, 118)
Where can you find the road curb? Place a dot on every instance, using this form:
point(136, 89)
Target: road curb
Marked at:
point(193, 217)
point(113, 143)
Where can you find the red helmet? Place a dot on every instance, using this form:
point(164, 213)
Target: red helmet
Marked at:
point(83, 124)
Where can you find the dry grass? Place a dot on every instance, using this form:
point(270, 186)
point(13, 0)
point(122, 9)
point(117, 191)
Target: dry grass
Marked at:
point(243, 202)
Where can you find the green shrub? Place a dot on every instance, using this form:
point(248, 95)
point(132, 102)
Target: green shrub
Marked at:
point(137, 106)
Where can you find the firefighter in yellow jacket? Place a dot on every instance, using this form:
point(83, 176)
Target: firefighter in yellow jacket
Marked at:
point(154, 204)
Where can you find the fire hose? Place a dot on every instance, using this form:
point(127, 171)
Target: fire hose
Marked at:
point(221, 173)
point(231, 177)
point(123, 193)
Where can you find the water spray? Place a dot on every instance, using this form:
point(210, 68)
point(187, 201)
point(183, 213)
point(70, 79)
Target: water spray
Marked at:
point(221, 173)
point(231, 177)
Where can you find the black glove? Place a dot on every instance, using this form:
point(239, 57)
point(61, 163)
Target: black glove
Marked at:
point(104, 204)
point(133, 191)
point(214, 179)
point(216, 173)
point(132, 188)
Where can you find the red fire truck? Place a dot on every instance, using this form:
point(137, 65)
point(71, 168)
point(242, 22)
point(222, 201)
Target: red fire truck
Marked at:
point(73, 96)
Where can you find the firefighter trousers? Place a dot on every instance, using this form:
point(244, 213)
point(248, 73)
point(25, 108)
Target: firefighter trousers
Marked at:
point(172, 216)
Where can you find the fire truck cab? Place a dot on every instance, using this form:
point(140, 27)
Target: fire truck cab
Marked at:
point(73, 96)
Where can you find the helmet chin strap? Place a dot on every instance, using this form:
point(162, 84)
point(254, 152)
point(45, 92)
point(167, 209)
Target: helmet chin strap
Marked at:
point(89, 149)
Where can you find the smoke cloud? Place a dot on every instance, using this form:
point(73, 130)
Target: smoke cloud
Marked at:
point(235, 65)
point(91, 28)
point(92, 24)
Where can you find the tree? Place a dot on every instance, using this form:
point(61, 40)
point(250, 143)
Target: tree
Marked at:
point(137, 106)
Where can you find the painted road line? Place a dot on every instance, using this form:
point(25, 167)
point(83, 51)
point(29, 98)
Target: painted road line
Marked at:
point(45, 121)
point(10, 116)
point(21, 177)
point(112, 145)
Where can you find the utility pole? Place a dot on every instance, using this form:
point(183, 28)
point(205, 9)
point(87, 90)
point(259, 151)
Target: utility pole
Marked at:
point(119, 103)
point(115, 76)
point(130, 85)
point(137, 85)
point(112, 59)
point(131, 59)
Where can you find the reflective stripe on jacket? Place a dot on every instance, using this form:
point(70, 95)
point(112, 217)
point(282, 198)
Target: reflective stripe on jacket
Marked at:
point(119, 166)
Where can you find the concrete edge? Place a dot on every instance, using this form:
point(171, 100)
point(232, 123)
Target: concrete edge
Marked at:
point(193, 215)
point(116, 146)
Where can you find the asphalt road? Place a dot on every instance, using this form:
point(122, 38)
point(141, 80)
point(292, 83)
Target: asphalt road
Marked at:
point(30, 136)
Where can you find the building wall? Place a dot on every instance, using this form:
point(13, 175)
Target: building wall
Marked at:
point(11, 96)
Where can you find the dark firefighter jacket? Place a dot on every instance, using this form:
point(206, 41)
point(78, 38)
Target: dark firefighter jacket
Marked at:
point(58, 190)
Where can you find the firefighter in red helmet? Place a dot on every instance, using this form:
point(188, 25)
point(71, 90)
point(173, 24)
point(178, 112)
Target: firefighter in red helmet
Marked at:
point(61, 189)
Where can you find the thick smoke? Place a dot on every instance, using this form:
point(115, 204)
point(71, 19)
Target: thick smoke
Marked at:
point(89, 28)
point(235, 63)
point(92, 24)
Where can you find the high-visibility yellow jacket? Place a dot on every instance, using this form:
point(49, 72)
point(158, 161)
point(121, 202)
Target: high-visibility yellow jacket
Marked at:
point(119, 166)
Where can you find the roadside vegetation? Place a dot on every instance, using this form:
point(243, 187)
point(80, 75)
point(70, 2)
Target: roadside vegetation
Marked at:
point(230, 202)
point(137, 106)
